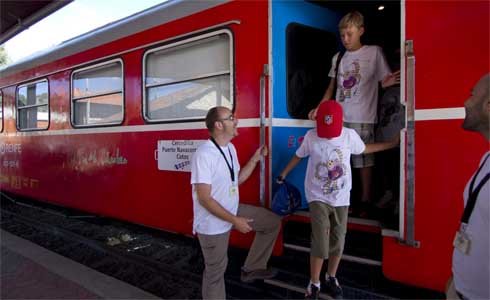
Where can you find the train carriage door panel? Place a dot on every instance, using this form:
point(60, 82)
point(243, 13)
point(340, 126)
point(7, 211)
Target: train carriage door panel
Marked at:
point(303, 43)
point(447, 46)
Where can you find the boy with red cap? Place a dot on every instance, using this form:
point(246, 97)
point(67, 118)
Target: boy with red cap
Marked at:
point(328, 182)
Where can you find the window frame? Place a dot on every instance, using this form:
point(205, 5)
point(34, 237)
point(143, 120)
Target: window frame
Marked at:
point(172, 44)
point(17, 125)
point(123, 92)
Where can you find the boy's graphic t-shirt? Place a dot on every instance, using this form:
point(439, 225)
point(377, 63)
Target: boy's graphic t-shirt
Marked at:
point(358, 77)
point(328, 174)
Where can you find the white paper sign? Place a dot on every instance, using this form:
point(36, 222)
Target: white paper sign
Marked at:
point(175, 155)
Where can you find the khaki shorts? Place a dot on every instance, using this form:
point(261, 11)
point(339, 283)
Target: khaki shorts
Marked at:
point(366, 132)
point(328, 228)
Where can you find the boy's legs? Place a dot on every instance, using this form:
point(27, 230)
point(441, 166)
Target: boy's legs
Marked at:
point(338, 229)
point(215, 251)
point(266, 225)
point(333, 265)
point(364, 162)
point(320, 232)
point(366, 182)
point(316, 264)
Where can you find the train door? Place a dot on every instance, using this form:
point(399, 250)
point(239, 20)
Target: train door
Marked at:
point(446, 46)
point(304, 39)
point(446, 50)
point(303, 42)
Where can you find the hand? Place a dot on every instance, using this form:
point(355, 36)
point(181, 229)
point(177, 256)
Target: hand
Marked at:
point(392, 79)
point(312, 114)
point(241, 224)
point(261, 151)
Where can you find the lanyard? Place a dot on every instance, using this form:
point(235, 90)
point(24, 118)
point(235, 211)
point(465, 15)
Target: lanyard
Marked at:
point(230, 167)
point(473, 193)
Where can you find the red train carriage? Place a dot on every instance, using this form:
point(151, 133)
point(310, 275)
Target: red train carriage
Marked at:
point(107, 122)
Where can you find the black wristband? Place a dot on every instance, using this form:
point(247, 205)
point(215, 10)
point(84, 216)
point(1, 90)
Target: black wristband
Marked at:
point(280, 178)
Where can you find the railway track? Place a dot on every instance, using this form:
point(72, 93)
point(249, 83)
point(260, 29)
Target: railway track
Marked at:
point(169, 265)
point(165, 265)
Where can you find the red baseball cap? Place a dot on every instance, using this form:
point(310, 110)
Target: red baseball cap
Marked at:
point(329, 119)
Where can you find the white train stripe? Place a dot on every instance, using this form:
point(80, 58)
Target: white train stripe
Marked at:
point(277, 122)
point(242, 123)
point(439, 114)
point(420, 115)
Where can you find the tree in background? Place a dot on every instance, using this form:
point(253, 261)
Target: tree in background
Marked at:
point(4, 57)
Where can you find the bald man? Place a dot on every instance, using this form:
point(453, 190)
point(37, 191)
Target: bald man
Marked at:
point(471, 244)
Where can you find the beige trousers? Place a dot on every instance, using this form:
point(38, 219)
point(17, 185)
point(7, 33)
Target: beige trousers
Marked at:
point(214, 248)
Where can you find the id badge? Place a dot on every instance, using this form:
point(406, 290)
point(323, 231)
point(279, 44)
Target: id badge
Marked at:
point(462, 242)
point(233, 190)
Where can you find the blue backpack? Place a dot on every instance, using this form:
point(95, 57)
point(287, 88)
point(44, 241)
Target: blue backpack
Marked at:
point(286, 200)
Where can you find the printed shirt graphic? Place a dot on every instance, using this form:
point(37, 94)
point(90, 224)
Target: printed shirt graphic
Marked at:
point(359, 73)
point(208, 166)
point(328, 175)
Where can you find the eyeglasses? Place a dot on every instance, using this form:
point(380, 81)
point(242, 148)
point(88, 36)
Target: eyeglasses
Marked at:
point(230, 118)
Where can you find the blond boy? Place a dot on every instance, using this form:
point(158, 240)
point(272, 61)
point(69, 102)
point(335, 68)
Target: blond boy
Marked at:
point(360, 70)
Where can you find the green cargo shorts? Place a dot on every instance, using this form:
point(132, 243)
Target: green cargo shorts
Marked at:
point(328, 228)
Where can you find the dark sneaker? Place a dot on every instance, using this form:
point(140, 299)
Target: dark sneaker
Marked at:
point(333, 288)
point(312, 292)
point(260, 274)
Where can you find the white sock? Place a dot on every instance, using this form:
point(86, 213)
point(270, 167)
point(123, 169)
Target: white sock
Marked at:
point(317, 284)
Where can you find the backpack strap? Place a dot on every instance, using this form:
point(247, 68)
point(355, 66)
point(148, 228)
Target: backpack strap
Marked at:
point(337, 64)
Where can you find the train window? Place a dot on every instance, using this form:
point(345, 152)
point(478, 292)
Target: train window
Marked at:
point(308, 58)
point(97, 94)
point(184, 79)
point(33, 106)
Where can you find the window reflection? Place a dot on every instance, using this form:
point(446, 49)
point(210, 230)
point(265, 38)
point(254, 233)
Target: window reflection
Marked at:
point(184, 81)
point(97, 95)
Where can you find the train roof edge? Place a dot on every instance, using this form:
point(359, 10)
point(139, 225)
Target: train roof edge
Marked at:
point(156, 15)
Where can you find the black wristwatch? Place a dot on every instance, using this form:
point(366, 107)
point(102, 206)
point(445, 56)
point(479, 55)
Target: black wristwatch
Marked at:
point(280, 179)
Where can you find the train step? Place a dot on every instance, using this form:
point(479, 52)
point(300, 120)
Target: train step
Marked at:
point(348, 292)
point(360, 273)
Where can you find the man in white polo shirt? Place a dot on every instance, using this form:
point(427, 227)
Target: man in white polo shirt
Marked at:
point(215, 177)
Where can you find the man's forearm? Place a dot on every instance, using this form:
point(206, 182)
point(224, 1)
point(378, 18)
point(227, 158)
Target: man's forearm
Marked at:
point(247, 170)
point(211, 205)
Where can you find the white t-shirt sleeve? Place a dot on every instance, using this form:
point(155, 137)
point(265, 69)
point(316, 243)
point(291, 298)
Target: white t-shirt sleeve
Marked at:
point(201, 167)
point(334, 63)
point(304, 148)
point(382, 67)
point(356, 144)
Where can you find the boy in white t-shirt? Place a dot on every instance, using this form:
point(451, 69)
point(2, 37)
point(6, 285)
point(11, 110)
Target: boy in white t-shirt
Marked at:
point(360, 70)
point(328, 182)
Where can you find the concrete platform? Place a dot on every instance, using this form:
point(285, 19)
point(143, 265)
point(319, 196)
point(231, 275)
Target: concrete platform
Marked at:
point(29, 271)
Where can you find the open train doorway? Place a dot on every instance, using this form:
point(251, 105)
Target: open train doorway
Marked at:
point(305, 37)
